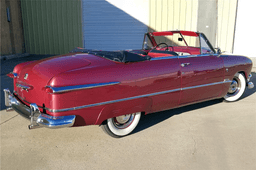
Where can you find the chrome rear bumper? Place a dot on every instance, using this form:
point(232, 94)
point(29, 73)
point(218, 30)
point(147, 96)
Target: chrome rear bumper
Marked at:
point(37, 119)
point(250, 85)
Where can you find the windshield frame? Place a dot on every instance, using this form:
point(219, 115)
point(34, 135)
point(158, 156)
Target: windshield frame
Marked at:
point(150, 36)
point(147, 35)
point(201, 35)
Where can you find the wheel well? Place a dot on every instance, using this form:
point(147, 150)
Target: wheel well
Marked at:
point(143, 113)
point(243, 74)
point(105, 121)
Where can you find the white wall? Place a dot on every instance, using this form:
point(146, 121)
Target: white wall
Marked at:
point(245, 35)
point(138, 9)
point(114, 24)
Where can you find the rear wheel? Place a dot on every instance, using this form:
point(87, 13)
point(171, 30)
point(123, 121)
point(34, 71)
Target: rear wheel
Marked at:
point(237, 88)
point(122, 125)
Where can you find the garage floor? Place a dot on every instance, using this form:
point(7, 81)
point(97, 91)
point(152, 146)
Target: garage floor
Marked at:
point(213, 135)
point(210, 135)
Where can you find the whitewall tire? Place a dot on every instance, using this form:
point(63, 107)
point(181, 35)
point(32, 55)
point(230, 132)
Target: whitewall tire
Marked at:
point(122, 125)
point(236, 89)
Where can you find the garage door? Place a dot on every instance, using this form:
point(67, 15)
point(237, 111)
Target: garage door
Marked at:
point(106, 27)
point(51, 27)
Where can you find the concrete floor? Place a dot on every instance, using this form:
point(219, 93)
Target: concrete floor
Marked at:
point(213, 135)
point(210, 135)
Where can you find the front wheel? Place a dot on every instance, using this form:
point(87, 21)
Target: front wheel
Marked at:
point(237, 88)
point(122, 125)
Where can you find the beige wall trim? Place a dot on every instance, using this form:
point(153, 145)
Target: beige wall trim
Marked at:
point(253, 61)
point(192, 15)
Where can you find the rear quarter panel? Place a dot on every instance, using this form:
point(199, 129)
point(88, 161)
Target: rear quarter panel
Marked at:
point(135, 79)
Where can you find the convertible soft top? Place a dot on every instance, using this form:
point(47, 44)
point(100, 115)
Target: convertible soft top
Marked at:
point(119, 56)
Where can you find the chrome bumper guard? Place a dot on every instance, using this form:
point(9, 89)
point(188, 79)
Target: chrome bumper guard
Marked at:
point(37, 119)
point(250, 85)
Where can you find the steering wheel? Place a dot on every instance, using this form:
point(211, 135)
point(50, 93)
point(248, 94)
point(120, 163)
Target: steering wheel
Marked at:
point(159, 45)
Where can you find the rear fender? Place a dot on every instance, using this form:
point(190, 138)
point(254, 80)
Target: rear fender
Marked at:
point(125, 107)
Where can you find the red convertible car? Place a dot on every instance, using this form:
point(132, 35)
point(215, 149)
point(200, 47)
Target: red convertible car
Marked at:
point(113, 89)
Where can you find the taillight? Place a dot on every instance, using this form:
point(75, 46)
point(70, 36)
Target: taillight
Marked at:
point(12, 75)
point(47, 89)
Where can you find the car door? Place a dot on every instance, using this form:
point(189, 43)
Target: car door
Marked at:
point(201, 75)
point(166, 83)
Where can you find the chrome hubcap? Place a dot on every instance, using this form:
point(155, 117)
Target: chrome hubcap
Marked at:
point(123, 121)
point(234, 86)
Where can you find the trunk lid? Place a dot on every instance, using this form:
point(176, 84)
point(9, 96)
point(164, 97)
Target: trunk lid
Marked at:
point(37, 74)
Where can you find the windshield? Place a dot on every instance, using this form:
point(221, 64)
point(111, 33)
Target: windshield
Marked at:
point(180, 42)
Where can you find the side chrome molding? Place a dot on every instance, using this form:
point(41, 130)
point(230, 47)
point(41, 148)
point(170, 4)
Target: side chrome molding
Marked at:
point(135, 97)
point(80, 87)
point(204, 85)
point(182, 56)
point(164, 58)
point(227, 80)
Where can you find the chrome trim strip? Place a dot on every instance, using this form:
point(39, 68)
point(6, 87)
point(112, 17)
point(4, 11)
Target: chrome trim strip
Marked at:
point(200, 55)
point(227, 80)
point(164, 58)
point(23, 86)
point(112, 101)
point(135, 97)
point(182, 56)
point(189, 56)
point(80, 87)
point(204, 85)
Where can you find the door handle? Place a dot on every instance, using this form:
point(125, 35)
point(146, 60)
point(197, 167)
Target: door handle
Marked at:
point(184, 64)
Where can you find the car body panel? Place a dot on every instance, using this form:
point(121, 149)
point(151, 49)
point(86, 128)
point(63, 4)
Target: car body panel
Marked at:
point(133, 83)
point(97, 88)
point(200, 71)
